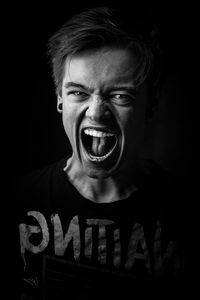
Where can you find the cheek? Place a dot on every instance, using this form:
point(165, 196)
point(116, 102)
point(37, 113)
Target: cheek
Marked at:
point(126, 117)
point(68, 117)
point(132, 122)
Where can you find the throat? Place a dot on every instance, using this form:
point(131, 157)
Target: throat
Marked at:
point(100, 146)
point(105, 190)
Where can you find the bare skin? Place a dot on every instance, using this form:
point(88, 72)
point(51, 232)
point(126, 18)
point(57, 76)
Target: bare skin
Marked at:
point(104, 118)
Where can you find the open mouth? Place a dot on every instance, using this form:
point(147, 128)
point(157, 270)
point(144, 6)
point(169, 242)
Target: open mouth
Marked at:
point(98, 144)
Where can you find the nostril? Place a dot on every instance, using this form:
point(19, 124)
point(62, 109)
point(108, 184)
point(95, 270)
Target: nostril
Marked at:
point(97, 110)
point(107, 113)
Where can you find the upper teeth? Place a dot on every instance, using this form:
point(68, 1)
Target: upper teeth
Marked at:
point(98, 133)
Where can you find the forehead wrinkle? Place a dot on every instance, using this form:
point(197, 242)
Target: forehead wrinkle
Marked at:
point(103, 86)
point(116, 83)
point(99, 72)
point(109, 78)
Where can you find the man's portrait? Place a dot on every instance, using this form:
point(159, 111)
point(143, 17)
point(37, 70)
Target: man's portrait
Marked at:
point(101, 155)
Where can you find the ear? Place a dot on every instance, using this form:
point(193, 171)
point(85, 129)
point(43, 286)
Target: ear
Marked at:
point(59, 104)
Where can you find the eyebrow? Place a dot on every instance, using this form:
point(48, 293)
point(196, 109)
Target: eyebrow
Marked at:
point(73, 84)
point(130, 89)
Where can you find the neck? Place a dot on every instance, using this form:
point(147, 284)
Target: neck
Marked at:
point(100, 190)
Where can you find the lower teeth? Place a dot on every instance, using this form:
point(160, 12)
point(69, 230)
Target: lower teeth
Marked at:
point(101, 158)
point(99, 148)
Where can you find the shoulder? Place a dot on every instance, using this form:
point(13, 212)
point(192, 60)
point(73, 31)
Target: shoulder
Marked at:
point(44, 174)
point(174, 197)
point(169, 190)
point(164, 181)
point(39, 183)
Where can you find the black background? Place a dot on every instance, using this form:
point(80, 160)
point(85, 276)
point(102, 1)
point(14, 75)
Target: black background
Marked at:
point(34, 132)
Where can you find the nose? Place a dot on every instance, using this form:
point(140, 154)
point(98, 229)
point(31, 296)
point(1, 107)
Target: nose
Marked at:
point(98, 109)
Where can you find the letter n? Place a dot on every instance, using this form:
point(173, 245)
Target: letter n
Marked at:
point(73, 233)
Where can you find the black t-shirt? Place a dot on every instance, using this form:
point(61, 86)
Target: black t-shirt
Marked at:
point(73, 248)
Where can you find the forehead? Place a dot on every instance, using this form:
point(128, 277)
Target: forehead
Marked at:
point(101, 68)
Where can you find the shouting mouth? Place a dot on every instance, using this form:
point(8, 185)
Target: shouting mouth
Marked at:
point(99, 145)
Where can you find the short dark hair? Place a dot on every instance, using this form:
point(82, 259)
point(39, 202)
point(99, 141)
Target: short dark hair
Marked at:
point(96, 28)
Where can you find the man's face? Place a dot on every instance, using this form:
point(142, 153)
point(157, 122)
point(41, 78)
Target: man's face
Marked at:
point(103, 112)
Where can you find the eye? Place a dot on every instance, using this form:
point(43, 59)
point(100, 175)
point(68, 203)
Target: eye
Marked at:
point(76, 95)
point(122, 99)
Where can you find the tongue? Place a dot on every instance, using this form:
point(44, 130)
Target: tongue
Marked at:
point(95, 143)
point(99, 146)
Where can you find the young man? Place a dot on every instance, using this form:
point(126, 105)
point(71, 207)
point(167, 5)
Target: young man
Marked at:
point(102, 222)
